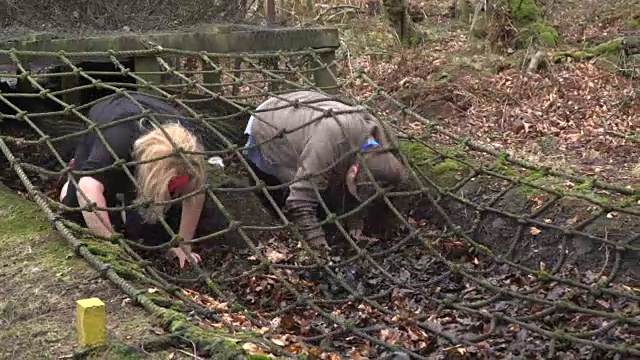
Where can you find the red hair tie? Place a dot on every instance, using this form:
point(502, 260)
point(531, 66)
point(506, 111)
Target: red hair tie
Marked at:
point(178, 182)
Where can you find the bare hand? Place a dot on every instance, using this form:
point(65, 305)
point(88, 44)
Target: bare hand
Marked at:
point(359, 236)
point(320, 244)
point(182, 257)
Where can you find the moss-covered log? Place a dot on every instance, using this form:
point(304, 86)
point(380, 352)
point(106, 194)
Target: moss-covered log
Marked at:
point(612, 48)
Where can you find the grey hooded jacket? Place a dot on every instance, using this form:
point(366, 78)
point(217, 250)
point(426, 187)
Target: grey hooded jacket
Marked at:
point(315, 142)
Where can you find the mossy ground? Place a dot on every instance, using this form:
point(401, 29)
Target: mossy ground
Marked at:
point(40, 281)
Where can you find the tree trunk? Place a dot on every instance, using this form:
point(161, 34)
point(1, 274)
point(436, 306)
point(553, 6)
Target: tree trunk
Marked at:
point(398, 14)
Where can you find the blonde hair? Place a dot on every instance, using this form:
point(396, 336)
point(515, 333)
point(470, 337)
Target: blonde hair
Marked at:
point(153, 175)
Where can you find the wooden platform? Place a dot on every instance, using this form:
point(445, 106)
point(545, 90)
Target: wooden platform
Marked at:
point(214, 39)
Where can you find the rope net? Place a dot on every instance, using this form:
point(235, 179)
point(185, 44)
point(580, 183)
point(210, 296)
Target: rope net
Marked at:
point(483, 255)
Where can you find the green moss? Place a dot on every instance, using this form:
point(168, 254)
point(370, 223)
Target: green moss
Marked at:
point(217, 176)
point(505, 170)
point(259, 357)
point(447, 166)
point(218, 343)
point(545, 33)
point(113, 256)
point(585, 186)
point(420, 155)
point(444, 173)
point(528, 18)
point(633, 22)
point(525, 12)
point(543, 275)
point(19, 217)
point(120, 352)
point(538, 179)
point(610, 49)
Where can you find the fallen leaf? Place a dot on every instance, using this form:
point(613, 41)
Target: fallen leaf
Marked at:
point(574, 137)
point(288, 323)
point(573, 220)
point(534, 231)
point(252, 349)
point(275, 256)
point(456, 349)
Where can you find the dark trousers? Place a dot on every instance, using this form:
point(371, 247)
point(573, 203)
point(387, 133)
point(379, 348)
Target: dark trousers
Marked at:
point(211, 220)
point(338, 202)
point(279, 195)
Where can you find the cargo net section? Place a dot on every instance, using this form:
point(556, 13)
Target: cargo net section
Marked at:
point(481, 256)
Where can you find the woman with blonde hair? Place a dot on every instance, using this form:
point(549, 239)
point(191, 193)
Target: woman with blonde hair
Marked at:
point(161, 173)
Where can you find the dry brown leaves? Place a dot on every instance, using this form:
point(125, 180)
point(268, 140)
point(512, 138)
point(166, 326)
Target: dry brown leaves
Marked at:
point(569, 118)
point(577, 117)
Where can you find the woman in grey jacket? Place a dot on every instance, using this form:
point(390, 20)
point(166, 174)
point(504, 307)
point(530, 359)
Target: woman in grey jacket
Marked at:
point(310, 141)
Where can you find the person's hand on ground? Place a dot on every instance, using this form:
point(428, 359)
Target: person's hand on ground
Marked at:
point(182, 257)
point(319, 243)
point(359, 236)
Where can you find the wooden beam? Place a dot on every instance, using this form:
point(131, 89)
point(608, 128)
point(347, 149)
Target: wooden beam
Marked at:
point(266, 40)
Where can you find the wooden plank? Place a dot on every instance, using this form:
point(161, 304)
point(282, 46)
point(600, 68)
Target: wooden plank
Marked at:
point(325, 77)
point(212, 80)
point(147, 64)
point(266, 40)
point(270, 11)
point(70, 82)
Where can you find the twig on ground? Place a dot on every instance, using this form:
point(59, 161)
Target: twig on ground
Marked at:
point(606, 255)
point(194, 356)
point(193, 346)
point(348, 57)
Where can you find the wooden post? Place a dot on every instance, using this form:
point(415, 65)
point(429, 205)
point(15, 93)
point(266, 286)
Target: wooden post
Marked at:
point(270, 11)
point(273, 64)
point(237, 66)
point(73, 97)
point(23, 84)
point(323, 76)
point(91, 322)
point(212, 77)
point(148, 64)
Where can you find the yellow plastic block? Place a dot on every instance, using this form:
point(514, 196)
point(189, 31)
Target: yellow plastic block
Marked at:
point(91, 322)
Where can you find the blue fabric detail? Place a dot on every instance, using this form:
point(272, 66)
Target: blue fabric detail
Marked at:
point(254, 154)
point(369, 144)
